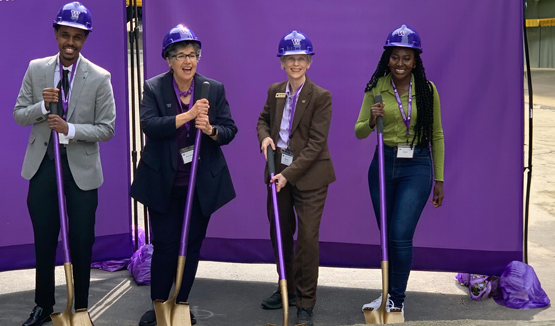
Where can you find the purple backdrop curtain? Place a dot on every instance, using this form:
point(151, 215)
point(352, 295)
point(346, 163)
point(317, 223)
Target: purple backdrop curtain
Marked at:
point(473, 53)
point(28, 34)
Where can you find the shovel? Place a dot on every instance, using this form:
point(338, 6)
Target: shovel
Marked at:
point(170, 312)
point(67, 318)
point(281, 261)
point(381, 315)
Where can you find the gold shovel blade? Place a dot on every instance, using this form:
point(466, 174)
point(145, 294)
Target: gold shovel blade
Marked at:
point(81, 318)
point(376, 316)
point(381, 316)
point(64, 318)
point(61, 318)
point(172, 314)
point(394, 318)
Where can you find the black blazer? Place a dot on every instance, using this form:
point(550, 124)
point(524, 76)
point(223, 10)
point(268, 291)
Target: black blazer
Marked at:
point(158, 165)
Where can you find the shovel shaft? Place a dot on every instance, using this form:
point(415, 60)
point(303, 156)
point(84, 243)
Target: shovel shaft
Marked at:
point(285, 301)
point(60, 189)
point(192, 178)
point(281, 260)
point(190, 196)
point(381, 168)
point(279, 242)
point(383, 220)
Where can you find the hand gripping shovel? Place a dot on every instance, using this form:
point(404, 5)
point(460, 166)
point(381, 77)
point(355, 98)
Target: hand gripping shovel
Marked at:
point(381, 315)
point(281, 261)
point(67, 318)
point(170, 312)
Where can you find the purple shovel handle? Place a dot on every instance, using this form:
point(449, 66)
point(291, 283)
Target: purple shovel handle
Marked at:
point(190, 196)
point(60, 188)
point(381, 162)
point(192, 178)
point(272, 171)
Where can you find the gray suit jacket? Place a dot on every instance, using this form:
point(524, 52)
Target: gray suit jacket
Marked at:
point(91, 110)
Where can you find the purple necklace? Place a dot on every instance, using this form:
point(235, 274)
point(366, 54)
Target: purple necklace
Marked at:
point(187, 92)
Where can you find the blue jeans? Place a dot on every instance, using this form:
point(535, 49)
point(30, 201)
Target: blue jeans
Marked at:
point(408, 183)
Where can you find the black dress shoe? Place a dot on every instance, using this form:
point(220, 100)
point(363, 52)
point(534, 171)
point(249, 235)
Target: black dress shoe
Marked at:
point(39, 316)
point(149, 319)
point(274, 301)
point(305, 316)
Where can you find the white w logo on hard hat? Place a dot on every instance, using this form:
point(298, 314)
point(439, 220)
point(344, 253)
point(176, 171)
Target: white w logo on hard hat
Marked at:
point(296, 41)
point(75, 14)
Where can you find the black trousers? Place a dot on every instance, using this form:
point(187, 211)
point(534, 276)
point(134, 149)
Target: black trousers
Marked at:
point(42, 202)
point(166, 239)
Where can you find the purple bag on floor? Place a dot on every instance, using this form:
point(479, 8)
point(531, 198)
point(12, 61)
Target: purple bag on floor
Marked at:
point(463, 278)
point(119, 264)
point(140, 264)
point(480, 286)
point(520, 288)
point(111, 265)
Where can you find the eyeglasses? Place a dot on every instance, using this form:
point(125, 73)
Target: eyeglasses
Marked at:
point(181, 57)
point(292, 59)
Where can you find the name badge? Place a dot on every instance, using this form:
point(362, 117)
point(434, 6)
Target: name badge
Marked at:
point(281, 95)
point(405, 151)
point(187, 154)
point(286, 157)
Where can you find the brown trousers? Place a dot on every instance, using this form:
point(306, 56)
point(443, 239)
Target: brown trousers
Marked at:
point(301, 261)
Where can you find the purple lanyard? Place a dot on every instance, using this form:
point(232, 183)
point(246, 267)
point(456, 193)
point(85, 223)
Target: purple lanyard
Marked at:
point(405, 118)
point(65, 97)
point(293, 105)
point(177, 92)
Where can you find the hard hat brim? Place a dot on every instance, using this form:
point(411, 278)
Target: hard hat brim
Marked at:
point(74, 25)
point(402, 45)
point(295, 52)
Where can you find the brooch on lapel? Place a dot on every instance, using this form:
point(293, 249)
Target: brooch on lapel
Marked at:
point(280, 95)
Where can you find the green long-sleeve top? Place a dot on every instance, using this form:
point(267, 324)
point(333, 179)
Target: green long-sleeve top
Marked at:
point(395, 131)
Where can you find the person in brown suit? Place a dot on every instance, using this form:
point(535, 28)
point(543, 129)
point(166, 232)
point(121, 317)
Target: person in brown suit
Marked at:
point(295, 122)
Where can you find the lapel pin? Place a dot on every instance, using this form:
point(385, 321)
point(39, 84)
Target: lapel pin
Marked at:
point(303, 101)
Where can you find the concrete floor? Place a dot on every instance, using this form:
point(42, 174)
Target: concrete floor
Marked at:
point(225, 293)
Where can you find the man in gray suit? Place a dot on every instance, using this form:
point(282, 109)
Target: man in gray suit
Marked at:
point(82, 93)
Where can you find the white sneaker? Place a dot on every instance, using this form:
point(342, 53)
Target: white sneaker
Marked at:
point(391, 306)
point(376, 303)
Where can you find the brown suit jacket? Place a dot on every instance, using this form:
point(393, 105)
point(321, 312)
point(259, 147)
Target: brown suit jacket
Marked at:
point(312, 167)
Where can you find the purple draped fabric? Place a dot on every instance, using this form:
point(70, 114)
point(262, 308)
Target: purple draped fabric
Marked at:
point(472, 51)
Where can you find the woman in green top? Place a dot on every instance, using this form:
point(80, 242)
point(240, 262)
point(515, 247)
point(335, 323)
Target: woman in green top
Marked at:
point(412, 125)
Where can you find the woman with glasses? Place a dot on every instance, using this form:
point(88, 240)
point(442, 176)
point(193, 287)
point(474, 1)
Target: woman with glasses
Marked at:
point(171, 113)
point(412, 126)
point(295, 121)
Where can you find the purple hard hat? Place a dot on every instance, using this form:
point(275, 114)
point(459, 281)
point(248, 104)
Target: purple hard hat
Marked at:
point(404, 36)
point(74, 14)
point(178, 34)
point(295, 43)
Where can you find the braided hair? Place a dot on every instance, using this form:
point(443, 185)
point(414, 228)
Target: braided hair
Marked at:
point(424, 98)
